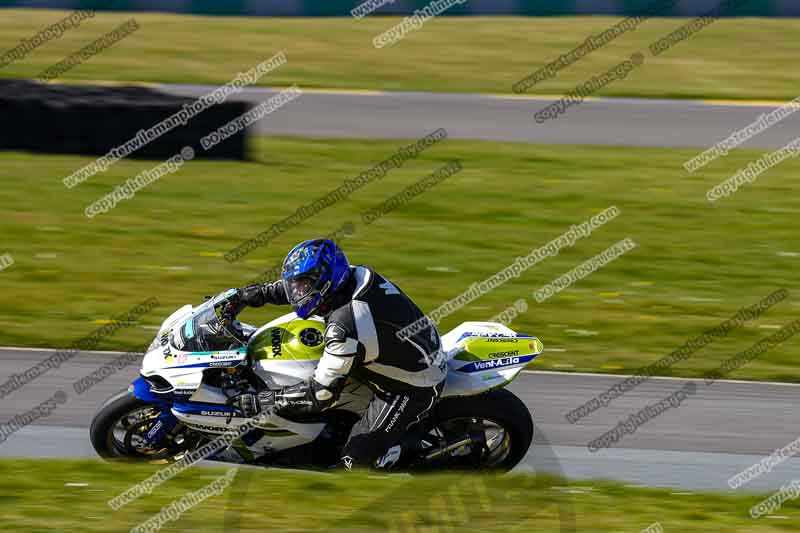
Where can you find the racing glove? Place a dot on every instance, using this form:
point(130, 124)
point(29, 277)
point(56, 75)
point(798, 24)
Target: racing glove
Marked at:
point(304, 398)
point(252, 404)
point(269, 293)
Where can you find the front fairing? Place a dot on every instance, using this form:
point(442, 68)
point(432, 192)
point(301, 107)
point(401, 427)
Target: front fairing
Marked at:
point(187, 343)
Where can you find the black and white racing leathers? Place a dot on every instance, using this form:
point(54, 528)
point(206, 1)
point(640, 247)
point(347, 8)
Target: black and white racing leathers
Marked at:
point(361, 342)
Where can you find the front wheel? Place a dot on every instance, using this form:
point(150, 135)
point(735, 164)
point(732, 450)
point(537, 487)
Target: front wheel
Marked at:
point(490, 431)
point(118, 430)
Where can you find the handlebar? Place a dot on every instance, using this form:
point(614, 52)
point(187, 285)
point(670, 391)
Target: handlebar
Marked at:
point(229, 307)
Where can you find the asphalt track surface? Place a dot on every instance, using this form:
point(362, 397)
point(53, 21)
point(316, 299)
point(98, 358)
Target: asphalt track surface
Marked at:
point(714, 434)
point(602, 121)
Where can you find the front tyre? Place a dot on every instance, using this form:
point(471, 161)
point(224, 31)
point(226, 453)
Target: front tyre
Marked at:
point(497, 424)
point(118, 428)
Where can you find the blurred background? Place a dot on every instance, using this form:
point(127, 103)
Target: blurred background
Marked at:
point(78, 79)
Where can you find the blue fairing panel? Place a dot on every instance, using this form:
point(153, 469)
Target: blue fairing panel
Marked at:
point(141, 389)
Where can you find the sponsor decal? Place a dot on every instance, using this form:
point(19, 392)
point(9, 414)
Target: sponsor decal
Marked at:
point(479, 366)
point(227, 357)
point(489, 335)
point(154, 429)
point(483, 365)
point(400, 410)
point(276, 342)
point(215, 413)
point(388, 288)
point(201, 427)
point(311, 337)
point(501, 339)
point(299, 402)
point(510, 353)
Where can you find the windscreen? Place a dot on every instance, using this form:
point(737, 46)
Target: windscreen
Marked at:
point(203, 332)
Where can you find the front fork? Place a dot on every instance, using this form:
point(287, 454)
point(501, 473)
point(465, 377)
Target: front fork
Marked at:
point(165, 422)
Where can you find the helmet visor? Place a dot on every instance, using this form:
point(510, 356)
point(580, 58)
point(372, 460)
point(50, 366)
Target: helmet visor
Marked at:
point(299, 289)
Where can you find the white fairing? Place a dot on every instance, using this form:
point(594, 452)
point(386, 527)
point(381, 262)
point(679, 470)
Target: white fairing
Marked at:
point(450, 340)
point(462, 380)
point(279, 433)
point(157, 359)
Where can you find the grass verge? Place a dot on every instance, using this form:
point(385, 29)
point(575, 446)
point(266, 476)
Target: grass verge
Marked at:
point(695, 265)
point(72, 495)
point(472, 54)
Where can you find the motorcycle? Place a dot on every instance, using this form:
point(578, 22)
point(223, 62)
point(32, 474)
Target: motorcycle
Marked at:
point(202, 358)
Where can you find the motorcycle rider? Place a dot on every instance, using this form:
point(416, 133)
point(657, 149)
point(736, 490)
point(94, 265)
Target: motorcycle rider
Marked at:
point(363, 312)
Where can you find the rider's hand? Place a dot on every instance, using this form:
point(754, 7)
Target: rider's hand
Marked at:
point(252, 295)
point(230, 307)
point(251, 404)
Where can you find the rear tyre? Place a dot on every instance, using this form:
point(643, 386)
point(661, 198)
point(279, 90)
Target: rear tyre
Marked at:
point(503, 419)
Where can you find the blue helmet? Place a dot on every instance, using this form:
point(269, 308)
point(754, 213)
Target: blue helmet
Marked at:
point(312, 273)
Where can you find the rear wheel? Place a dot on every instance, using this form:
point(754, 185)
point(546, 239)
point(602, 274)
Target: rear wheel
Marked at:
point(491, 431)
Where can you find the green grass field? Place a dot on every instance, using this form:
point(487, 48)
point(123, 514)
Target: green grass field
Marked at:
point(474, 54)
point(696, 263)
point(69, 495)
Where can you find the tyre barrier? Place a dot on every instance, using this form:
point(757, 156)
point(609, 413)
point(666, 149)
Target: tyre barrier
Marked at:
point(91, 120)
